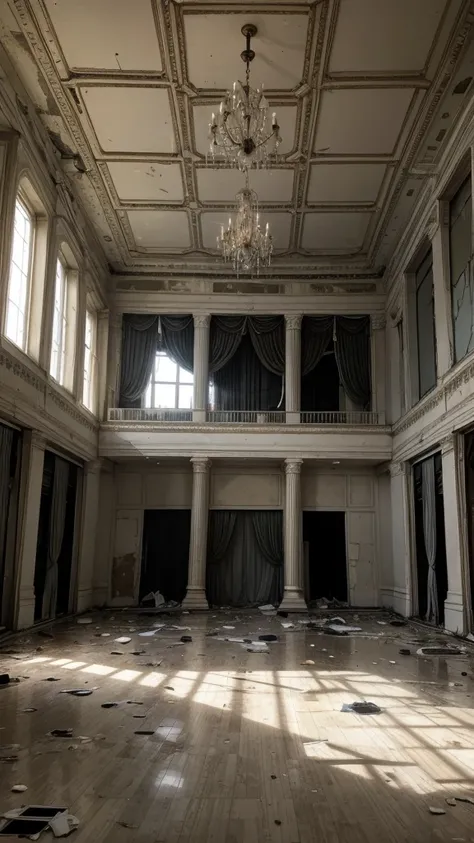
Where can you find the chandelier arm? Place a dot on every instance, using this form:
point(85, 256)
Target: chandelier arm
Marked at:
point(264, 141)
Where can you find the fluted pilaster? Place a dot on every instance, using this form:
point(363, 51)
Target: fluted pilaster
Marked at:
point(201, 366)
point(293, 368)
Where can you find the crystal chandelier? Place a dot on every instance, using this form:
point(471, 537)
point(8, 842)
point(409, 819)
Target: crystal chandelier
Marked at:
point(241, 130)
point(243, 243)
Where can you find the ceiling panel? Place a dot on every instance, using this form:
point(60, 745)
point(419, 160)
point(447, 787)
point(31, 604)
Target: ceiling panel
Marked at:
point(279, 222)
point(154, 229)
point(342, 232)
point(221, 185)
point(339, 182)
point(214, 43)
point(144, 181)
point(130, 119)
point(286, 120)
point(361, 121)
point(398, 38)
point(106, 34)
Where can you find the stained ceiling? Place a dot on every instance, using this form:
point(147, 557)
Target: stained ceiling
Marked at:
point(366, 93)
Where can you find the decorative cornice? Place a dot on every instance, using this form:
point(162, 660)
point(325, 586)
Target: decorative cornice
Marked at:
point(21, 371)
point(73, 412)
point(463, 377)
point(413, 416)
point(37, 440)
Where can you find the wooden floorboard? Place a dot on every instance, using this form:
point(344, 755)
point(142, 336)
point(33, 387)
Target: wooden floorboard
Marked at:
point(246, 747)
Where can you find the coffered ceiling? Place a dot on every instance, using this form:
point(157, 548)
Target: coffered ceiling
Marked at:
point(366, 93)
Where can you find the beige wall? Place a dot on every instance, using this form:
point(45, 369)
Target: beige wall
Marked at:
point(139, 486)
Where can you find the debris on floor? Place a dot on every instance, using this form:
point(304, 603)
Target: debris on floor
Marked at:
point(362, 708)
point(77, 692)
point(436, 810)
point(19, 788)
point(267, 609)
point(84, 620)
point(61, 733)
point(154, 597)
point(440, 651)
point(122, 640)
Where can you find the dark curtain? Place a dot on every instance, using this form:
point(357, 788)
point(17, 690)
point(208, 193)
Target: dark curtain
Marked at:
point(139, 343)
point(268, 339)
point(316, 333)
point(320, 387)
point(165, 553)
point(245, 384)
point(352, 348)
point(250, 568)
point(226, 333)
point(176, 337)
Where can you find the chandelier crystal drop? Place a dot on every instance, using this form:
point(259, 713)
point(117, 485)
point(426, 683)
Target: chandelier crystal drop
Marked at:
point(241, 130)
point(243, 243)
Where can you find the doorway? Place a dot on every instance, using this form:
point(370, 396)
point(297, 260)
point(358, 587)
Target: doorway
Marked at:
point(10, 466)
point(469, 480)
point(165, 553)
point(65, 557)
point(324, 539)
point(422, 566)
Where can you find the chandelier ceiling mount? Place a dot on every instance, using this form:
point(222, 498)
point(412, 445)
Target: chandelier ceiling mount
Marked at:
point(241, 131)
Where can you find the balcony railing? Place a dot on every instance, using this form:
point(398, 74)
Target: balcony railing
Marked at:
point(336, 417)
point(145, 414)
point(273, 417)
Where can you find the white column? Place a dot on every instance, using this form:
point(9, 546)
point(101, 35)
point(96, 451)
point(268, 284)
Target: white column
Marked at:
point(196, 590)
point(455, 522)
point(201, 366)
point(105, 534)
point(377, 374)
point(402, 541)
point(442, 293)
point(293, 368)
point(30, 500)
point(293, 598)
point(88, 533)
point(113, 359)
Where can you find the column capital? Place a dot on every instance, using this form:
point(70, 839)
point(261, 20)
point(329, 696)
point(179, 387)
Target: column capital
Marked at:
point(377, 321)
point(447, 444)
point(293, 466)
point(201, 465)
point(94, 466)
point(37, 440)
point(293, 321)
point(202, 320)
point(103, 314)
point(397, 468)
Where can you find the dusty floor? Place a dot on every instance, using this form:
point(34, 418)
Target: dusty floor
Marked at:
point(244, 746)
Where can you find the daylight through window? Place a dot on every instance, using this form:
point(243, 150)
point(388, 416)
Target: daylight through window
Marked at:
point(19, 283)
point(170, 387)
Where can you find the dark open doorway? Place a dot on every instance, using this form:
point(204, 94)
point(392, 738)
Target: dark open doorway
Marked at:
point(325, 535)
point(469, 474)
point(421, 557)
point(65, 558)
point(165, 553)
point(10, 465)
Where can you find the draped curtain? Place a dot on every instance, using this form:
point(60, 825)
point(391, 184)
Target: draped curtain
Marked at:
point(247, 358)
point(6, 442)
point(245, 558)
point(56, 535)
point(351, 348)
point(142, 336)
point(428, 500)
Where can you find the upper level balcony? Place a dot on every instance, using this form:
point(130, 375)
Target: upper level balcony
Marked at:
point(148, 432)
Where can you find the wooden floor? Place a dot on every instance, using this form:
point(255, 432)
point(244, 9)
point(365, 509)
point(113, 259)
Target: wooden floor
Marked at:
point(245, 746)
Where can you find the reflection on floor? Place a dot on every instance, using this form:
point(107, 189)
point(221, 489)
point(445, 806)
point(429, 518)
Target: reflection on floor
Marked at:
point(245, 746)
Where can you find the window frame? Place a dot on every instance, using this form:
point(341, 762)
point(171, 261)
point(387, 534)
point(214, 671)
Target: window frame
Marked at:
point(22, 200)
point(89, 384)
point(426, 259)
point(177, 383)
